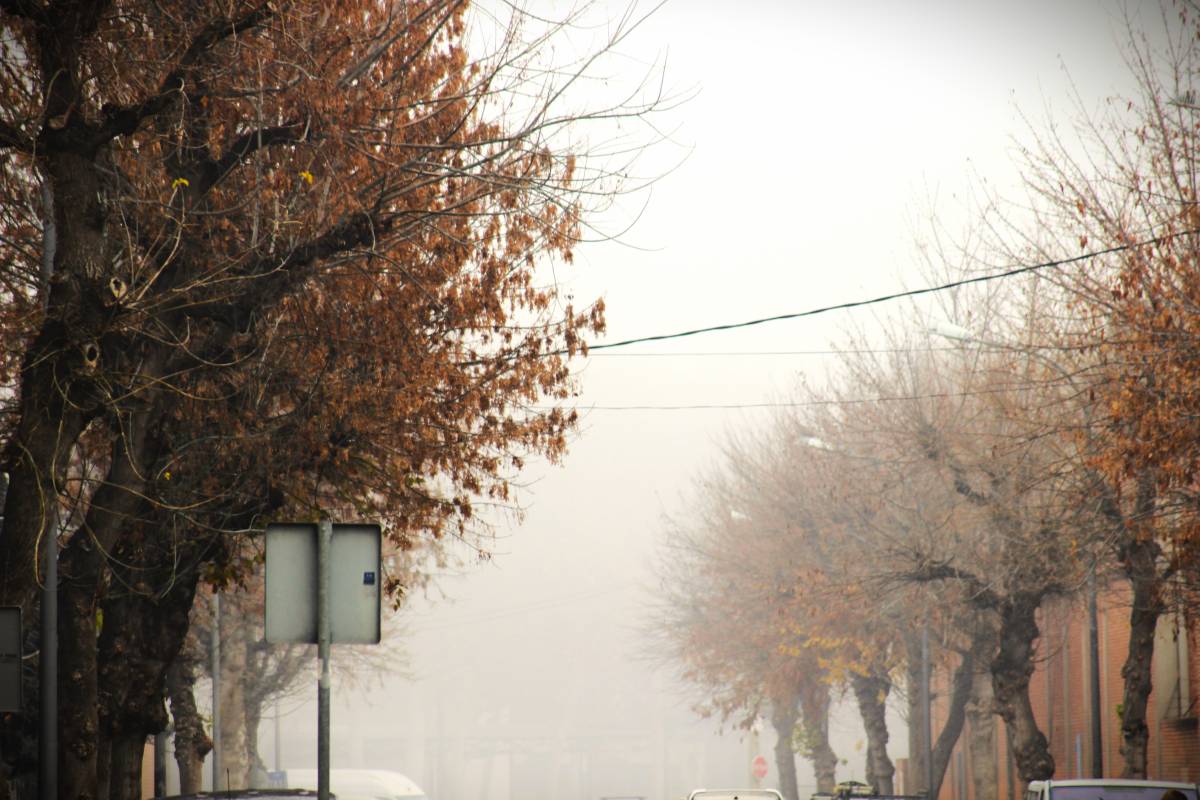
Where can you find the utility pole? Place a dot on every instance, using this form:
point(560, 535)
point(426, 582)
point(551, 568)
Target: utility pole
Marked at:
point(1094, 669)
point(48, 665)
point(324, 543)
point(215, 639)
point(927, 705)
point(278, 740)
point(160, 764)
point(48, 658)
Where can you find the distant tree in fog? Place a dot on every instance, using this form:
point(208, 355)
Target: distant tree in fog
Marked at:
point(726, 578)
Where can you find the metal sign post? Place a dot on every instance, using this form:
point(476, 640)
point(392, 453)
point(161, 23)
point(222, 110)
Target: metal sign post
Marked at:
point(337, 566)
point(324, 545)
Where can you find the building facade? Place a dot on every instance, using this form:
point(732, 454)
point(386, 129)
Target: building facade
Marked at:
point(1060, 691)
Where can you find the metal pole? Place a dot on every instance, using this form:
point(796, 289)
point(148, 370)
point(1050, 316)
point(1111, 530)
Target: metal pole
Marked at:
point(278, 738)
point(1094, 658)
point(215, 638)
point(324, 542)
point(48, 667)
point(927, 704)
point(160, 764)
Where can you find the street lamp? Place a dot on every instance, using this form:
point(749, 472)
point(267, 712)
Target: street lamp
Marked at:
point(948, 330)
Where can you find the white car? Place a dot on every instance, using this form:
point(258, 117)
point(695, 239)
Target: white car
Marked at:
point(739, 794)
point(360, 784)
point(1110, 789)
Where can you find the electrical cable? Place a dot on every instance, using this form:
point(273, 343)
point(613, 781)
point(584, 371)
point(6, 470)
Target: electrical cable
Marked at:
point(849, 351)
point(784, 404)
point(888, 297)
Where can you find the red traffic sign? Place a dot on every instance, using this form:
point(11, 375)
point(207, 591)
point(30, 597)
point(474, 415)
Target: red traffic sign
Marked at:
point(758, 767)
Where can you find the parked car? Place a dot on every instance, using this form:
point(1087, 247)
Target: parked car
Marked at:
point(359, 784)
point(735, 794)
point(856, 790)
point(250, 794)
point(1111, 789)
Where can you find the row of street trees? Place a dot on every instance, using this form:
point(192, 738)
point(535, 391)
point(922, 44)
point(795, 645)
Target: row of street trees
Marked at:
point(264, 259)
point(952, 479)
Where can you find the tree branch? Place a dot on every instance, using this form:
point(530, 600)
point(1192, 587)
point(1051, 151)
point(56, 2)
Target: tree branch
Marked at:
point(211, 171)
point(956, 714)
point(980, 595)
point(26, 9)
point(11, 136)
point(124, 120)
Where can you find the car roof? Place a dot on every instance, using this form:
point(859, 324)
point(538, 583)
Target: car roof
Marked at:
point(1131, 783)
point(1111, 782)
point(247, 794)
point(352, 781)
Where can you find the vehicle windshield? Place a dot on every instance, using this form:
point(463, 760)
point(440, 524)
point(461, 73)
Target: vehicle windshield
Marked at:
point(1121, 793)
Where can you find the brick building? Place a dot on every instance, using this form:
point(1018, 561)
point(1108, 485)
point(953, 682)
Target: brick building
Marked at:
point(1060, 692)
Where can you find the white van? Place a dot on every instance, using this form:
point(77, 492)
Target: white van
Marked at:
point(1110, 789)
point(737, 794)
point(362, 784)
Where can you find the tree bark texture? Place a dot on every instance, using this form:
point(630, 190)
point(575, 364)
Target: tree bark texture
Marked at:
point(785, 713)
point(257, 768)
point(143, 634)
point(1140, 562)
point(981, 743)
point(192, 744)
point(78, 685)
point(115, 507)
point(871, 692)
point(916, 713)
point(1011, 669)
point(814, 709)
point(233, 700)
point(947, 738)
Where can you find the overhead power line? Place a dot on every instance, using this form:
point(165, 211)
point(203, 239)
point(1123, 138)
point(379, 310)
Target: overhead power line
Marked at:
point(841, 401)
point(742, 353)
point(894, 296)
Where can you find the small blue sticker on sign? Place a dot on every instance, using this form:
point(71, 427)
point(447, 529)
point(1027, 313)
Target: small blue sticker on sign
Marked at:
point(368, 579)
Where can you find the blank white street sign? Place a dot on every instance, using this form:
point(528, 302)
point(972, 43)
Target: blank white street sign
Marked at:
point(354, 583)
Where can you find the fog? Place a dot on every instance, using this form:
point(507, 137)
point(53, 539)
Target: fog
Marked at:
point(820, 135)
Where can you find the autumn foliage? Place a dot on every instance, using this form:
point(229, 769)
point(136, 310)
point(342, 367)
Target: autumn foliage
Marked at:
point(265, 260)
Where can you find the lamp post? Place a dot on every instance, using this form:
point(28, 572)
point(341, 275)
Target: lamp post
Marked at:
point(927, 706)
point(948, 330)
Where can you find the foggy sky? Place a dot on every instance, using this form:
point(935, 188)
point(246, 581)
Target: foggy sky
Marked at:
point(820, 137)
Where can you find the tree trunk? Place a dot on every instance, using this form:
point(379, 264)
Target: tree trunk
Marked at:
point(257, 778)
point(233, 702)
point(871, 693)
point(916, 714)
point(36, 457)
point(19, 732)
point(1140, 559)
point(142, 636)
point(127, 751)
point(116, 503)
point(814, 708)
point(191, 742)
point(784, 716)
point(57, 396)
point(78, 686)
point(1011, 669)
point(981, 745)
point(968, 668)
point(947, 738)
